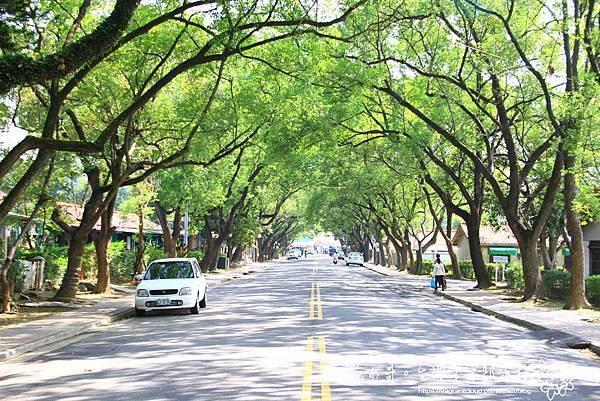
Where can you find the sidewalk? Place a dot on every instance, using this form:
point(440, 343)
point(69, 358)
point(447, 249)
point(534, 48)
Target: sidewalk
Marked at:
point(567, 328)
point(26, 337)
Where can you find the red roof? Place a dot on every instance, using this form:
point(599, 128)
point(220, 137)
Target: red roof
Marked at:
point(489, 235)
point(124, 222)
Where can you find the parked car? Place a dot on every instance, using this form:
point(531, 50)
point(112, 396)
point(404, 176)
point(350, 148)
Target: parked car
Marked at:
point(174, 283)
point(355, 258)
point(340, 254)
point(294, 254)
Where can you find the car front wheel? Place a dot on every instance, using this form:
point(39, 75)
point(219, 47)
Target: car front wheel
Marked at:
point(140, 312)
point(203, 301)
point(194, 310)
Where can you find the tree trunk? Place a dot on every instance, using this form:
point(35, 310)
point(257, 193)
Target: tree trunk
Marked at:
point(418, 260)
point(456, 273)
point(103, 283)
point(546, 254)
point(576, 298)
point(140, 265)
point(405, 254)
point(68, 288)
point(479, 269)
point(7, 288)
point(169, 245)
point(531, 271)
point(263, 248)
point(382, 259)
point(101, 245)
point(237, 256)
point(209, 261)
point(388, 254)
point(5, 285)
point(399, 252)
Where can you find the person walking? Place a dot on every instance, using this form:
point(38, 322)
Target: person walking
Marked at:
point(439, 272)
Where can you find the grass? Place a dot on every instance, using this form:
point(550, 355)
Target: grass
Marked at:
point(27, 314)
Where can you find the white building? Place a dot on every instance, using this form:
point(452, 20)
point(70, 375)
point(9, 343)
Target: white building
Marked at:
point(591, 249)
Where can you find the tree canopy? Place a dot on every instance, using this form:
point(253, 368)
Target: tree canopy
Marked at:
point(388, 123)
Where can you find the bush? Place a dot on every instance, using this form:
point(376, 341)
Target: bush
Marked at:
point(466, 267)
point(556, 283)
point(152, 253)
point(592, 289)
point(16, 275)
point(426, 267)
point(199, 254)
point(514, 276)
point(121, 266)
point(89, 263)
point(56, 261)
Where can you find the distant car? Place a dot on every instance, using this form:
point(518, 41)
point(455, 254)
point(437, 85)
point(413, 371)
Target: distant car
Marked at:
point(294, 254)
point(355, 258)
point(175, 283)
point(341, 255)
point(310, 252)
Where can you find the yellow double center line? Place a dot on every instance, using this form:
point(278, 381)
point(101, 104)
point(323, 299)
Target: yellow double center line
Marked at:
point(315, 303)
point(307, 383)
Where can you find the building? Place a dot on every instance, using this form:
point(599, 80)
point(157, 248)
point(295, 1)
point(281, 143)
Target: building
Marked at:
point(497, 245)
point(126, 226)
point(438, 248)
point(591, 248)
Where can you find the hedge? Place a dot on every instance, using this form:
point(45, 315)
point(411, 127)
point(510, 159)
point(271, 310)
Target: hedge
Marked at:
point(592, 289)
point(556, 283)
point(466, 268)
point(514, 276)
point(426, 267)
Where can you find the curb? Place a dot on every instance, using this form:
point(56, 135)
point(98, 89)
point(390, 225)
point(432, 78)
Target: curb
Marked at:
point(74, 332)
point(63, 335)
point(489, 312)
point(595, 348)
point(376, 271)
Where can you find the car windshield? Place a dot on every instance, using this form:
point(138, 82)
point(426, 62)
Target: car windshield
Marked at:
point(354, 255)
point(169, 270)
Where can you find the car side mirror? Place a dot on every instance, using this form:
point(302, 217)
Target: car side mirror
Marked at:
point(139, 277)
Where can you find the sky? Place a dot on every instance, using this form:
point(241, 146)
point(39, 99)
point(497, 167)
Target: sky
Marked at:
point(9, 138)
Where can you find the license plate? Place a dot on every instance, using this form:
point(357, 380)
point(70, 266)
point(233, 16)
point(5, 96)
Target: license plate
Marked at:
point(163, 301)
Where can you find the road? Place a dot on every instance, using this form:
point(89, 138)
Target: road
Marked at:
point(308, 330)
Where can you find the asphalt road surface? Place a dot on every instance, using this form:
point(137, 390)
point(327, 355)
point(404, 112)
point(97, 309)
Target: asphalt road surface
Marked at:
point(308, 330)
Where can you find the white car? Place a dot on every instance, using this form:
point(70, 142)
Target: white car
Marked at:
point(175, 283)
point(294, 254)
point(355, 258)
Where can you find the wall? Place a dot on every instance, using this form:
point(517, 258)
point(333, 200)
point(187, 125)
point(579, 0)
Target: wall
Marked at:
point(591, 232)
point(463, 251)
